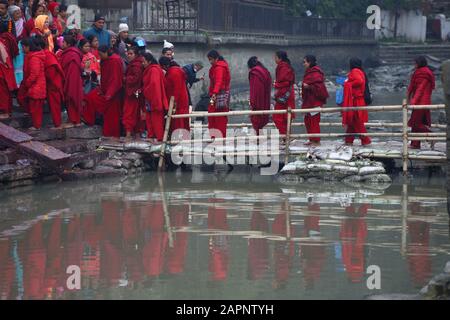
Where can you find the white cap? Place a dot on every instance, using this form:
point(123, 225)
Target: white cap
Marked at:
point(123, 27)
point(168, 45)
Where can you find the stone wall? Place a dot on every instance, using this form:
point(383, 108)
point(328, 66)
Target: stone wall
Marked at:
point(333, 55)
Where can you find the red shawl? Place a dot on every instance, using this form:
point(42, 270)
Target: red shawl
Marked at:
point(133, 76)
point(175, 83)
point(421, 87)
point(54, 73)
point(154, 89)
point(316, 94)
point(112, 76)
point(354, 89)
point(260, 88)
point(71, 64)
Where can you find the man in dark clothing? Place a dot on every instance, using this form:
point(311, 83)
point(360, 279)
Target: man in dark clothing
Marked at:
point(191, 75)
point(98, 30)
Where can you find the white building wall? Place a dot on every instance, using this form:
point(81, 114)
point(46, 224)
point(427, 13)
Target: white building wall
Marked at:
point(411, 25)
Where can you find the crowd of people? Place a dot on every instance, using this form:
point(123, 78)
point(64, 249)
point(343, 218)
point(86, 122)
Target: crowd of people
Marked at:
point(103, 77)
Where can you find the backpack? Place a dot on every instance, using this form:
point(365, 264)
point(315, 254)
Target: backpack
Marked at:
point(367, 94)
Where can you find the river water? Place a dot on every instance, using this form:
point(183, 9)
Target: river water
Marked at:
point(209, 234)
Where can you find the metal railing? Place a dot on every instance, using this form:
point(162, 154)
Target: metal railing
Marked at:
point(244, 17)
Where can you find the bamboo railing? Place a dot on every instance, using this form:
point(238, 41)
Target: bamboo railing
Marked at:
point(404, 134)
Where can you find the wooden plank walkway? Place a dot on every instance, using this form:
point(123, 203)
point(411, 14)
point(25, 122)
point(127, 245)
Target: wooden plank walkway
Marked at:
point(45, 154)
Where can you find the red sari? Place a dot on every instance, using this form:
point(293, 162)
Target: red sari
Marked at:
point(7, 77)
point(132, 103)
point(33, 89)
point(354, 89)
point(156, 100)
point(73, 89)
point(285, 80)
point(54, 75)
point(419, 92)
point(260, 90)
point(314, 95)
point(107, 99)
point(175, 82)
point(220, 79)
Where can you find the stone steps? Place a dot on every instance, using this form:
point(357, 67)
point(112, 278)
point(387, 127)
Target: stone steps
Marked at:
point(404, 54)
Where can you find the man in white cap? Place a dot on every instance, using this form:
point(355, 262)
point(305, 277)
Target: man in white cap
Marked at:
point(123, 41)
point(168, 50)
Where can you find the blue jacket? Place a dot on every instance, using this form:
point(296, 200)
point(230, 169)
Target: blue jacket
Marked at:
point(191, 74)
point(104, 38)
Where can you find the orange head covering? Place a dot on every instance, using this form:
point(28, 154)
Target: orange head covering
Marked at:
point(39, 23)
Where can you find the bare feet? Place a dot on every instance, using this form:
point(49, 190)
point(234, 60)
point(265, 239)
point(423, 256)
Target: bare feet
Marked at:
point(68, 125)
point(4, 116)
point(34, 129)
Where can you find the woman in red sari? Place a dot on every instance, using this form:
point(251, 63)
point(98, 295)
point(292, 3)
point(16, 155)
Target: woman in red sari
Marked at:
point(314, 94)
point(54, 76)
point(175, 83)
point(33, 89)
point(284, 90)
point(419, 93)
point(9, 50)
point(73, 86)
point(107, 98)
point(219, 92)
point(156, 104)
point(260, 90)
point(133, 92)
point(354, 89)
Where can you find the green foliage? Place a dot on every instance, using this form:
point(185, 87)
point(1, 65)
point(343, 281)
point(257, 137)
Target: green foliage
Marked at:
point(343, 8)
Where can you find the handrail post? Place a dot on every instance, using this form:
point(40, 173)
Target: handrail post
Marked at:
point(166, 134)
point(288, 135)
point(405, 137)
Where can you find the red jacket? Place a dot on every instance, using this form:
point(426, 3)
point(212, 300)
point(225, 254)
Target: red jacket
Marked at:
point(220, 77)
point(54, 73)
point(29, 27)
point(133, 76)
point(71, 64)
point(175, 83)
point(285, 80)
point(316, 94)
point(34, 75)
point(354, 89)
point(112, 76)
point(421, 87)
point(154, 88)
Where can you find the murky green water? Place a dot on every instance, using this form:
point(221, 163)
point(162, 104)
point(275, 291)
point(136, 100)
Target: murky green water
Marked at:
point(213, 235)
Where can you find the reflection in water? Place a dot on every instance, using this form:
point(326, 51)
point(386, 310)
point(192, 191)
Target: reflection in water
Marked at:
point(141, 239)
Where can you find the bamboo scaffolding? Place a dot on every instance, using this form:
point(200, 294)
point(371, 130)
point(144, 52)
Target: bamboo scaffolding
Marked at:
point(405, 135)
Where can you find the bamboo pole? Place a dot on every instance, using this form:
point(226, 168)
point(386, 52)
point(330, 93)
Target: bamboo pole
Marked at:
point(166, 210)
point(335, 124)
point(321, 110)
point(288, 135)
point(404, 217)
point(166, 133)
point(427, 107)
point(405, 137)
point(314, 135)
